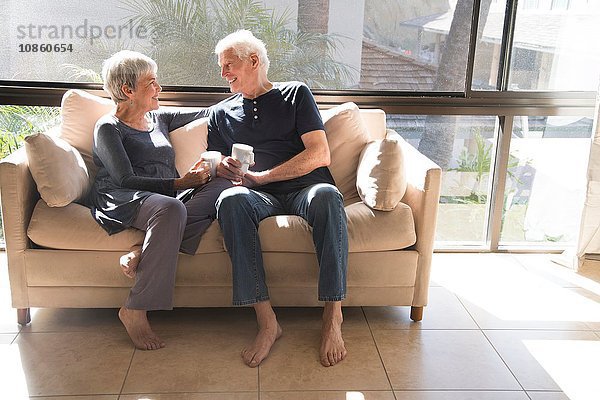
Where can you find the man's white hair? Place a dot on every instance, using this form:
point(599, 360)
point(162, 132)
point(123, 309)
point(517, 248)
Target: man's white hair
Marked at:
point(244, 44)
point(125, 68)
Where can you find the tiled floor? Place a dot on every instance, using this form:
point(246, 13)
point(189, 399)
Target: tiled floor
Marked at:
point(498, 327)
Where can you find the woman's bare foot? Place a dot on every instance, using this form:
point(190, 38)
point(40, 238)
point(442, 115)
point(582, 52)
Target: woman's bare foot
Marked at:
point(268, 332)
point(333, 349)
point(130, 261)
point(137, 326)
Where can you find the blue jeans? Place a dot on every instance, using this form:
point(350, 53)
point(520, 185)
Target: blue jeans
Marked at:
point(240, 210)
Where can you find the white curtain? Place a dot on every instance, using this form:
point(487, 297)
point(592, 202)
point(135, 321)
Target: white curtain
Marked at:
point(589, 234)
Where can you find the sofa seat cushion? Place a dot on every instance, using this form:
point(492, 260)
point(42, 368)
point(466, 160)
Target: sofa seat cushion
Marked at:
point(368, 230)
point(73, 228)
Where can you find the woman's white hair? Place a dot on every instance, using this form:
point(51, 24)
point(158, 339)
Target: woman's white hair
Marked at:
point(244, 44)
point(125, 68)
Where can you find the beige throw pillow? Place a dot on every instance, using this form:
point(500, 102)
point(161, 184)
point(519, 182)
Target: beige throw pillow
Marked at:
point(381, 178)
point(189, 142)
point(80, 111)
point(57, 169)
point(347, 136)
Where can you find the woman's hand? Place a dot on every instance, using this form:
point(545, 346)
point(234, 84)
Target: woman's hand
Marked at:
point(197, 176)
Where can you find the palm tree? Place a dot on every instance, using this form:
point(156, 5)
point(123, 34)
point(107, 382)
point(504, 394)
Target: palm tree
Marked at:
point(185, 32)
point(16, 122)
point(440, 130)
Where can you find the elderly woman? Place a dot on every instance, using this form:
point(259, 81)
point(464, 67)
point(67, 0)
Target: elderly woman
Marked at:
point(136, 186)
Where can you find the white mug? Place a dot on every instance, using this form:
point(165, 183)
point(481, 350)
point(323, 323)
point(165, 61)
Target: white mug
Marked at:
point(214, 158)
point(244, 154)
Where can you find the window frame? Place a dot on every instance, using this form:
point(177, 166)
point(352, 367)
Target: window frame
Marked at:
point(503, 103)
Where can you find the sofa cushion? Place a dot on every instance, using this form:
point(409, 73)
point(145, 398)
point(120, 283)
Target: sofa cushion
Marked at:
point(380, 178)
point(57, 169)
point(189, 142)
point(346, 135)
point(73, 228)
point(368, 230)
point(80, 110)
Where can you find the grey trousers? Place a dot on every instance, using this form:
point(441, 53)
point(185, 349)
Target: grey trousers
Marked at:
point(170, 226)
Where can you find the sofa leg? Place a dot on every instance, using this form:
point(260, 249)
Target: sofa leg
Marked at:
point(23, 316)
point(416, 313)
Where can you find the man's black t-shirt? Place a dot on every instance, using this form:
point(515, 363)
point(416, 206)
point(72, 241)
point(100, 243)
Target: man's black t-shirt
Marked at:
point(273, 124)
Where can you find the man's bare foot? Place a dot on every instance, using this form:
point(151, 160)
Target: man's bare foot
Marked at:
point(130, 261)
point(137, 326)
point(268, 332)
point(333, 349)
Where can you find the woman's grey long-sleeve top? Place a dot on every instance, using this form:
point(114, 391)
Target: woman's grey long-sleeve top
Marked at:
point(133, 165)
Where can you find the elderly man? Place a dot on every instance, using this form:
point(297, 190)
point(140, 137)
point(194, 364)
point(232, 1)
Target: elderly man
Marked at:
point(289, 176)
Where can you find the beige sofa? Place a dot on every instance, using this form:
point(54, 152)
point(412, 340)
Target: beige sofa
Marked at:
point(59, 257)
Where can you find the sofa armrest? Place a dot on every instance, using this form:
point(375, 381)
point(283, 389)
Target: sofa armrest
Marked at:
point(18, 195)
point(422, 196)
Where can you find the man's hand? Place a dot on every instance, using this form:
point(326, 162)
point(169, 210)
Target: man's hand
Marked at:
point(252, 178)
point(230, 168)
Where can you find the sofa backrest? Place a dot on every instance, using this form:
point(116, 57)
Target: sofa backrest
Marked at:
point(348, 129)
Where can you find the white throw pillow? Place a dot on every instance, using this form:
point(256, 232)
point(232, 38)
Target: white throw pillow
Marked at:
point(381, 178)
point(80, 111)
point(189, 142)
point(346, 136)
point(57, 169)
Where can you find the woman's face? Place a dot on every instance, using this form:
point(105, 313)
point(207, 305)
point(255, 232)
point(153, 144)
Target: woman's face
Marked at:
point(145, 95)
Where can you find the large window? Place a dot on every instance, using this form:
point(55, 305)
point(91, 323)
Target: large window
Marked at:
point(465, 199)
point(505, 109)
point(553, 46)
point(545, 192)
point(333, 44)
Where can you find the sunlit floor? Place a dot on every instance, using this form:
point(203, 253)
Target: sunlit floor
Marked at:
point(498, 327)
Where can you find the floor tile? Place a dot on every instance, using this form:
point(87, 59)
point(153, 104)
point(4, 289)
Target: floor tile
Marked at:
point(457, 395)
point(194, 361)
point(466, 274)
point(193, 396)
point(327, 395)
point(519, 350)
point(74, 320)
point(451, 269)
point(56, 364)
point(244, 318)
point(4, 282)
point(437, 360)
point(8, 315)
point(7, 338)
point(593, 298)
point(294, 364)
point(444, 311)
point(500, 293)
point(544, 360)
point(13, 384)
point(543, 266)
point(201, 319)
point(92, 397)
point(586, 279)
point(293, 318)
point(548, 396)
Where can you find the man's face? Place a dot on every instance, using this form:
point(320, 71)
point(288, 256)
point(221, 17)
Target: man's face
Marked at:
point(241, 75)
